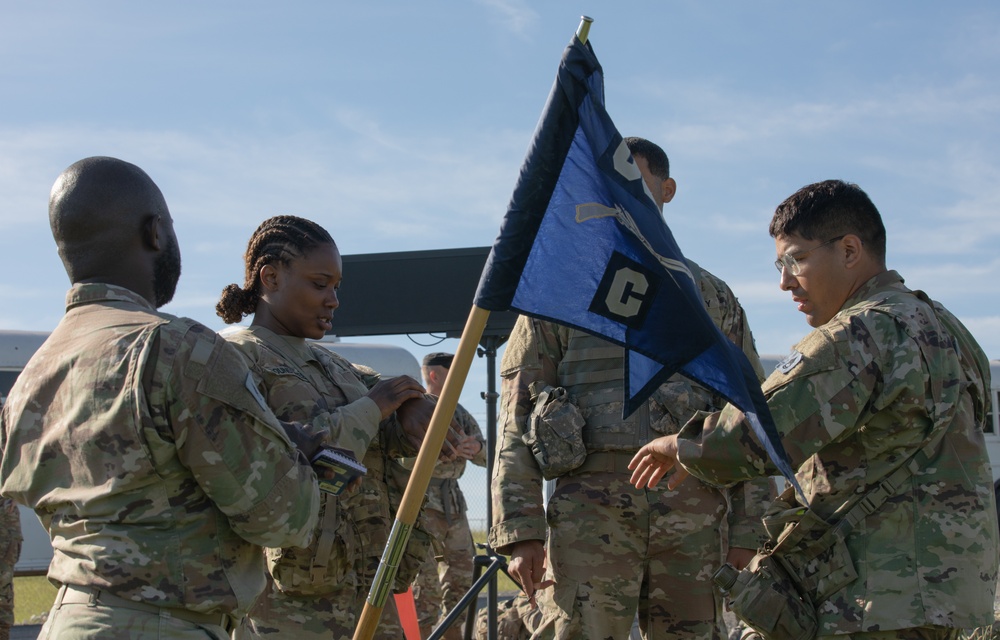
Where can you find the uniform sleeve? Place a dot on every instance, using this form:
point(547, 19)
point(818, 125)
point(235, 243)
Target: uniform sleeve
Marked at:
point(820, 394)
point(232, 444)
point(533, 353)
point(471, 428)
point(293, 398)
point(748, 500)
point(393, 439)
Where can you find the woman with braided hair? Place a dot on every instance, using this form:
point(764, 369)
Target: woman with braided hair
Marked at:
point(293, 272)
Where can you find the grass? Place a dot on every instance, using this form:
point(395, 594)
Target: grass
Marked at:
point(33, 596)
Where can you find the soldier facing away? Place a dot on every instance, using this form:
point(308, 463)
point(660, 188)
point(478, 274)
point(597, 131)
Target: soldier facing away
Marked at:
point(132, 433)
point(613, 552)
point(885, 375)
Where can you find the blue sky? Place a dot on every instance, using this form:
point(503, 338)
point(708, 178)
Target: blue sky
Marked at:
point(401, 126)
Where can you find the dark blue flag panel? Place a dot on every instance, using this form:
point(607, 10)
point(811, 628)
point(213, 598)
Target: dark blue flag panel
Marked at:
point(583, 244)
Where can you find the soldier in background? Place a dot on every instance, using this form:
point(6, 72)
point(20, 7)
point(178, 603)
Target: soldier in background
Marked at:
point(886, 374)
point(447, 574)
point(10, 550)
point(132, 433)
point(614, 551)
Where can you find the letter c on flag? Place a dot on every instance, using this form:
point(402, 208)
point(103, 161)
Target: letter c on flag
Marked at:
point(625, 294)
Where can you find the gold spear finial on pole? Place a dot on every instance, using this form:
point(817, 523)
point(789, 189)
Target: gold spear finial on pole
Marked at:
point(584, 29)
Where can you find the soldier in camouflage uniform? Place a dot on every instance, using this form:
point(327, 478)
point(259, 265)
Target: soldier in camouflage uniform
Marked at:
point(134, 436)
point(614, 551)
point(293, 271)
point(10, 550)
point(447, 573)
point(884, 371)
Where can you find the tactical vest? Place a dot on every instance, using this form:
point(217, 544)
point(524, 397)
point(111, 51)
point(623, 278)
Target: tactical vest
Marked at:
point(591, 371)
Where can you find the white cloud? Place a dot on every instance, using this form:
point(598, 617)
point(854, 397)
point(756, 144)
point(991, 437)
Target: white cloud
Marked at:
point(516, 15)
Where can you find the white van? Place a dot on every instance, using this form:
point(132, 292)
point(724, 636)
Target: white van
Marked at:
point(16, 347)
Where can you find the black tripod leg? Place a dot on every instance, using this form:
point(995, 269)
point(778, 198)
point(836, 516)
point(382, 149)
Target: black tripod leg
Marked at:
point(496, 563)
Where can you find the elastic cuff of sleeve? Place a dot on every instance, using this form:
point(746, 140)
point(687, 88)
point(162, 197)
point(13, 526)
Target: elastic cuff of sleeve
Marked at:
point(505, 534)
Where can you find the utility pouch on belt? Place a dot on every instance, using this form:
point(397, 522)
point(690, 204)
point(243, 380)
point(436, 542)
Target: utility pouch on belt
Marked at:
point(554, 431)
point(767, 594)
point(767, 598)
point(806, 559)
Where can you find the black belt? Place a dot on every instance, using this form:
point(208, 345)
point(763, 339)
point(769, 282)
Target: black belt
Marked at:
point(73, 594)
point(605, 462)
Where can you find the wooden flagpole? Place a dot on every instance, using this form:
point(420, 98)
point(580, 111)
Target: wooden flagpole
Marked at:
point(423, 469)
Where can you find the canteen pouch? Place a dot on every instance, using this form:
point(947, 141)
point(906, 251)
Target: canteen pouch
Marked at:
point(766, 598)
point(811, 546)
point(319, 568)
point(554, 432)
point(805, 562)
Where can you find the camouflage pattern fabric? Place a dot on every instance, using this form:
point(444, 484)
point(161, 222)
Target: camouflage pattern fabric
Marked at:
point(283, 615)
point(319, 591)
point(915, 633)
point(82, 622)
point(10, 550)
point(169, 470)
point(857, 395)
point(446, 573)
point(516, 620)
point(615, 551)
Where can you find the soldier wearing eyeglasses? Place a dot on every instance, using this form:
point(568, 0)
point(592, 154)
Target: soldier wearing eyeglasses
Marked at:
point(886, 373)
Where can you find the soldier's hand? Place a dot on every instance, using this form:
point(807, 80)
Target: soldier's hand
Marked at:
point(415, 417)
point(390, 393)
point(468, 447)
point(740, 557)
point(527, 567)
point(653, 461)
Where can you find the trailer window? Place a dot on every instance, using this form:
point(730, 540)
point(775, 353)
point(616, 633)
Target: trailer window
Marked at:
point(7, 379)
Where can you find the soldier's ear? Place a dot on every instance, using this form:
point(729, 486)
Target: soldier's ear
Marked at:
point(151, 232)
point(853, 249)
point(668, 189)
point(269, 278)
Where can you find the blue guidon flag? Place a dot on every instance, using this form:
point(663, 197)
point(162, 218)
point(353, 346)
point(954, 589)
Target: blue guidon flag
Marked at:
point(583, 244)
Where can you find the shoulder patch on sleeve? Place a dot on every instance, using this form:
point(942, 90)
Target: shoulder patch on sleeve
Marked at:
point(789, 363)
point(816, 352)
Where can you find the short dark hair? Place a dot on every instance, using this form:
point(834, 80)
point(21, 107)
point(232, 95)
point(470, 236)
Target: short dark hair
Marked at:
point(829, 209)
point(439, 358)
point(656, 158)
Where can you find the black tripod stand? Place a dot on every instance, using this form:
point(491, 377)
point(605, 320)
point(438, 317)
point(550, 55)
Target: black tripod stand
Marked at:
point(490, 559)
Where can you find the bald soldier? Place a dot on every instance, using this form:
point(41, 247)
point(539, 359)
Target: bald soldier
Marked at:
point(885, 399)
point(138, 437)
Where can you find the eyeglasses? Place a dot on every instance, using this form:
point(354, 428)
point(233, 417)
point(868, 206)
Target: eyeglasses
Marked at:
point(791, 262)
